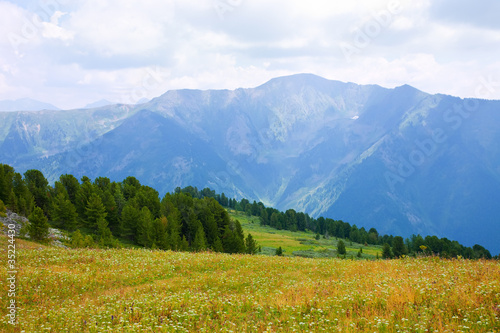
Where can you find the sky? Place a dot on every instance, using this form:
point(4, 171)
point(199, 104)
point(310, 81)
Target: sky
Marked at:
point(72, 53)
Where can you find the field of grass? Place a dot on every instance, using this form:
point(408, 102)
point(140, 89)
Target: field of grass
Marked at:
point(298, 243)
point(136, 290)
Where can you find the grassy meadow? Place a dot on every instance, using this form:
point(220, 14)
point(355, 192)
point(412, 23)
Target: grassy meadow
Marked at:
point(298, 243)
point(137, 290)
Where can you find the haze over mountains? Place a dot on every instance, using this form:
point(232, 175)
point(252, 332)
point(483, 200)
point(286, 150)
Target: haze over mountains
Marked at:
point(25, 104)
point(400, 160)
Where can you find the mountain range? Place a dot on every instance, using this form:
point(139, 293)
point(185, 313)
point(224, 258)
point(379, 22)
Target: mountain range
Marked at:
point(25, 104)
point(400, 160)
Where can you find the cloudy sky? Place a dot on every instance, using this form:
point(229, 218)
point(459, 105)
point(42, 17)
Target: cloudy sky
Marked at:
point(71, 53)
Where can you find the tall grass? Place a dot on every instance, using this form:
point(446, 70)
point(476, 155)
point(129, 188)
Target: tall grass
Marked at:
point(134, 290)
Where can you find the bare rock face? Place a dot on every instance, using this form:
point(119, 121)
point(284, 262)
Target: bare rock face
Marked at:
point(13, 219)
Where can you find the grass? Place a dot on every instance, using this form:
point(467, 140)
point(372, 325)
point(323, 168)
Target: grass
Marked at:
point(137, 290)
point(298, 243)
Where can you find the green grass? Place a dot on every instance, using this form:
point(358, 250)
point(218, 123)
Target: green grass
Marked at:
point(139, 290)
point(298, 243)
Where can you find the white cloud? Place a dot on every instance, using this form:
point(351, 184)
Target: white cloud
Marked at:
point(53, 30)
point(74, 53)
point(117, 27)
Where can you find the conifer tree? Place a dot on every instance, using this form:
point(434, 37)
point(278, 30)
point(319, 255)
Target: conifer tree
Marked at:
point(251, 245)
point(184, 244)
point(398, 247)
point(94, 212)
point(128, 222)
point(174, 231)
point(199, 243)
point(3, 209)
point(39, 226)
point(145, 228)
point(77, 239)
point(217, 245)
point(386, 251)
point(64, 212)
point(341, 247)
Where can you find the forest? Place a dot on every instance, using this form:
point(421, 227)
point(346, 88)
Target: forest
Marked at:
point(106, 213)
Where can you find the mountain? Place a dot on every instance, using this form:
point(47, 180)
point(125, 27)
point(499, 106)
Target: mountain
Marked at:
point(25, 104)
point(400, 160)
point(98, 104)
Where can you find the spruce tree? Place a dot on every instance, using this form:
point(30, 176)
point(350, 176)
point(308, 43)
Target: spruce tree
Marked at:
point(386, 251)
point(174, 231)
point(39, 226)
point(3, 209)
point(217, 245)
point(251, 245)
point(38, 185)
point(64, 212)
point(77, 239)
point(145, 228)
point(94, 212)
point(398, 247)
point(128, 222)
point(199, 242)
point(341, 247)
point(103, 233)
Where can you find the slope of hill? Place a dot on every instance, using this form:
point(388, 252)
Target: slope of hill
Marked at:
point(400, 160)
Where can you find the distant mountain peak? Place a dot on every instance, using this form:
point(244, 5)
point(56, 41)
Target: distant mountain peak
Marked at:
point(297, 79)
point(98, 104)
point(25, 104)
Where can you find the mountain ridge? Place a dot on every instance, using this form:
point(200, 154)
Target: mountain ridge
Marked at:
point(303, 142)
point(25, 104)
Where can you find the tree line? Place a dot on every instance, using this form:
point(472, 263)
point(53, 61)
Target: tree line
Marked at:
point(393, 246)
point(109, 214)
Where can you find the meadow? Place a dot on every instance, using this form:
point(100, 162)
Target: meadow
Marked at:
point(299, 243)
point(139, 290)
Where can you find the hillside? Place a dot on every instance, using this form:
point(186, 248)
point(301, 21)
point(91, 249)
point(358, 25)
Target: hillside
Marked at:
point(88, 290)
point(300, 243)
point(400, 160)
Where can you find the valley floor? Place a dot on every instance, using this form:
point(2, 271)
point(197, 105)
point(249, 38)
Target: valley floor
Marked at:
point(135, 290)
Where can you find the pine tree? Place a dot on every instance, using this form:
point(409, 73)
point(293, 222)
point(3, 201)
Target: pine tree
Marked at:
point(184, 245)
point(279, 251)
point(398, 247)
point(174, 231)
point(94, 212)
point(200, 242)
point(3, 209)
point(145, 228)
point(64, 212)
point(39, 226)
point(38, 185)
point(13, 201)
point(217, 245)
point(77, 239)
point(386, 251)
point(251, 245)
point(104, 233)
point(128, 222)
point(341, 247)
